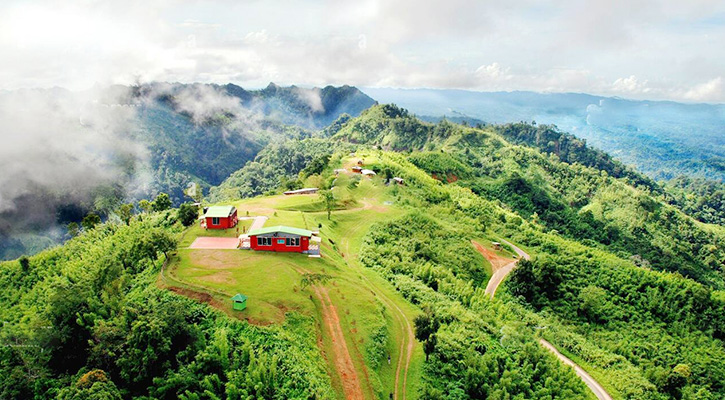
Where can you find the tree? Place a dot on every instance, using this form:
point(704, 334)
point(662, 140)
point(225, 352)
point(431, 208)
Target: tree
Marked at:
point(593, 303)
point(429, 345)
point(90, 221)
point(91, 386)
point(187, 214)
point(145, 205)
point(161, 203)
point(329, 199)
point(426, 326)
point(125, 212)
point(195, 192)
point(24, 263)
point(73, 229)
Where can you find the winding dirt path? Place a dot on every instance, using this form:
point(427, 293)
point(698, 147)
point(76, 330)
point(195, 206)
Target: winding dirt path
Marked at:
point(349, 379)
point(405, 352)
point(501, 266)
point(499, 273)
point(593, 385)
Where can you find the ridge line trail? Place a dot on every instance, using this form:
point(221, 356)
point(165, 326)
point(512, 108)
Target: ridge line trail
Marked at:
point(341, 358)
point(403, 322)
point(503, 271)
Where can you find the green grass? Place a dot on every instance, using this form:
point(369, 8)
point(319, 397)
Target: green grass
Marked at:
point(272, 280)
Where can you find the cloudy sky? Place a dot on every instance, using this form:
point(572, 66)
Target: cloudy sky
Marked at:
point(629, 48)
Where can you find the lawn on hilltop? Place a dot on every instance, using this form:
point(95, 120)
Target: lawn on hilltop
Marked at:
point(375, 320)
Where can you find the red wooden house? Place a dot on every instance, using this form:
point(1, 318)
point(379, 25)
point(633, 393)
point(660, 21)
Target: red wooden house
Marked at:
point(220, 217)
point(283, 239)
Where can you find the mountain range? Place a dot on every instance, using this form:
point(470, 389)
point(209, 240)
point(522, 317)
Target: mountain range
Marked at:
point(663, 139)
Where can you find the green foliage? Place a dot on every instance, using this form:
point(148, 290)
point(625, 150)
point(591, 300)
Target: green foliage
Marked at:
point(699, 198)
point(442, 166)
point(145, 205)
point(73, 229)
point(653, 320)
point(277, 163)
point(125, 212)
point(187, 214)
point(436, 267)
point(570, 149)
point(90, 221)
point(309, 279)
point(162, 202)
point(89, 322)
point(328, 199)
point(93, 385)
point(391, 127)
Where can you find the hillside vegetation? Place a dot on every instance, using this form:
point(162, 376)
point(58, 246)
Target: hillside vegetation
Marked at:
point(625, 284)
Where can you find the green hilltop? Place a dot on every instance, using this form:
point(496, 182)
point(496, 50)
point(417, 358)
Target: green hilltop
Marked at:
point(622, 282)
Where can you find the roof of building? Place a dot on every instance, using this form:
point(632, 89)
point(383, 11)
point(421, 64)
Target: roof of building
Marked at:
point(219, 211)
point(239, 297)
point(305, 190)
point(283, 229)
point(368, 172)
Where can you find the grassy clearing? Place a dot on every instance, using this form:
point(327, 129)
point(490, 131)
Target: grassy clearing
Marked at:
point(365, 302)
point(271, 281)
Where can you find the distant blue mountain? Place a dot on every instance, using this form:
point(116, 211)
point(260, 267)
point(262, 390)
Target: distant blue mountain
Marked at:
point(663, 139)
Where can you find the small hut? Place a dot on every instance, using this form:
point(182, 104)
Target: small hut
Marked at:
point(496, 245)
point(239, 302)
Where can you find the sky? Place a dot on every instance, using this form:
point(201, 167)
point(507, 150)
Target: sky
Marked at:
point(671, 50)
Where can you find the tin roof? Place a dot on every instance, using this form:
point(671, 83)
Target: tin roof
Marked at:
point(239, 297)
point(283, 229)
point(305, 190)
point(219, 211)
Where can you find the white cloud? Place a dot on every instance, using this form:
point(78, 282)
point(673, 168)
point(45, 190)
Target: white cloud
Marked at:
point(712, 90)
point(565, 46)
point(630, 86)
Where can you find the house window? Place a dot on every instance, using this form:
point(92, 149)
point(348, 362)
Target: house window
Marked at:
point(215, 221)
point(293, 242)
point(264, 241)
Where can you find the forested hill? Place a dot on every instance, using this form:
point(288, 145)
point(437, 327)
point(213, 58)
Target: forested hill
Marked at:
point(660, 138)
point(626, 285)
point(117, 144)
point(312, 108)
point(611, 208)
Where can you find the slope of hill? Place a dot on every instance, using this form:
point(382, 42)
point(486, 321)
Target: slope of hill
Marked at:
point(593, 288)
point(116, 144)
point(312, 108)
point(577, 201)
point(661, 139)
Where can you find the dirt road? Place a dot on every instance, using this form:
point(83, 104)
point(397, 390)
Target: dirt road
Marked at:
point(500, 266)
point(593, 385)
point(341, 354)
point(407, 345)
point(499, 273)
point(341, 358)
